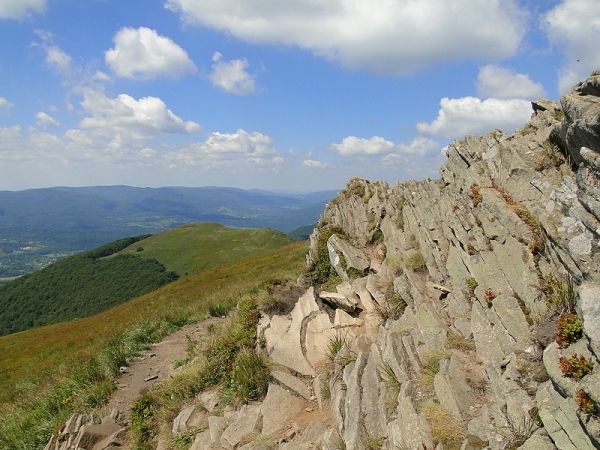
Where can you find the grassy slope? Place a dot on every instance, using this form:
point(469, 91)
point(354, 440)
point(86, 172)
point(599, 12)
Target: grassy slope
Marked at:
point(82, 285)
point(31, 358)
point(201, 246)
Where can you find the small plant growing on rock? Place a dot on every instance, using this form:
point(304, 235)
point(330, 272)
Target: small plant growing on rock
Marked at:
point(477, 197)
point(516, 432)
point(576, 366)
point(444, 428)
point(584, 402)
point(471, 283)
point(568, 330)
point(471, 249)
point(489, 297)
point(559, 294)
point(393, 384)
point(415, 262)
point(335, 344)
point(458, 342)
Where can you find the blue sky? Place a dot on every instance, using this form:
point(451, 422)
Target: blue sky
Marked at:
point(269, 94)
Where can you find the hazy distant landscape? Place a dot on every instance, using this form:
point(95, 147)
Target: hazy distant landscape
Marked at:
point(40, 226)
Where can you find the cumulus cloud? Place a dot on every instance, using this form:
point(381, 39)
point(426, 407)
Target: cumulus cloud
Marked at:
point(469, 115)
point(144, 53)
point(312, 164)
point(55, 56)
point(386, 36)
point(354, 146)
point(221, 148)
point(45, 121)
point(20, 9)
point(231, 76)
point(498, 82)
point(5, 104)
point(125, 119)
point(574, 27)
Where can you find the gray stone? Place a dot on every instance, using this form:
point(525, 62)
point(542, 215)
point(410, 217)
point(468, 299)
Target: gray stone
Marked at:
point(452, 389)
point(366, 300)
point(559, 416)
point(247, 422)
point(354, 257)
point(339, 300)
point(202, 441)
point(319, 332)
point(89, 435)
point(209, 399)
point(291, 382)
point(343, 319)
point(589, 300)
point(216, 426)
point(538, 441)
point(278, 408)
point(278, 327)
point(352, 431)
point(288, 349)
point(179, 424)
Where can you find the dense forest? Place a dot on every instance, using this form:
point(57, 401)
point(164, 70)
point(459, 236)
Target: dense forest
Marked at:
point(79, 286)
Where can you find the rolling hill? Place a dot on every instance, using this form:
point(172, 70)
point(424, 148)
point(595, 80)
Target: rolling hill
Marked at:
point(94, 281)
point(39, 226)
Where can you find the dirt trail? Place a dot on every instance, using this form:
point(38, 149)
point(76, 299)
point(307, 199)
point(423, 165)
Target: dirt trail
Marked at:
point(153, 366)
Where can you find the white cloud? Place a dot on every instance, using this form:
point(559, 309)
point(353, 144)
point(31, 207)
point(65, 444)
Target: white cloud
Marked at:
point(469, 115)
point(5, 104)
point(20, 9)
point(386, 36)
point(231, 76)
point(353, 146)
point(574, 26)
point(498, 82)
point(56, 58)
point(143, 53)
point(45, 121)
point(312, 164)
point(126, 120)
point(222, 148)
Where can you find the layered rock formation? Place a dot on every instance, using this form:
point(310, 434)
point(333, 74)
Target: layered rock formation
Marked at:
point(484, 259)
point(467, 309)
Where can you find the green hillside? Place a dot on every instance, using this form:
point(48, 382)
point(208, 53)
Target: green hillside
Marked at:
point(40, 226)
point(79, 360)
point(95, 281)
point(200, 246)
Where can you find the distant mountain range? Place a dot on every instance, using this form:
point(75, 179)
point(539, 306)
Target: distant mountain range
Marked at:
point(38, 226)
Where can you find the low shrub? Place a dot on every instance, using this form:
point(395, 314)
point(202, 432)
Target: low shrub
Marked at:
point(444, 428)
point(415, 262)
point(576, 366)
point(568, 330)
point(585, 403)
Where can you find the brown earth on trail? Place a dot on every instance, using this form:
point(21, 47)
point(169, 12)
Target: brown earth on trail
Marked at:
point(153, 366)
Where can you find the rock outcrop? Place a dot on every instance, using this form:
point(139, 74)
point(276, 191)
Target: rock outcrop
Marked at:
point(467, 310)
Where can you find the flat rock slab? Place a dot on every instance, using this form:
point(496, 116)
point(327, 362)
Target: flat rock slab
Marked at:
point(339, 300)
point(291, 382)
point(278, 408)
point(559, 416)
point(288, 349)
point(319, 332)
point(247, 422)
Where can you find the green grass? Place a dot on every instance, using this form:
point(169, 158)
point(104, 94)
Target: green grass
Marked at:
point(200, 246)
point(48, 373)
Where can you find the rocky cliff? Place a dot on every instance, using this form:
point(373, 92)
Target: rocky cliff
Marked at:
point(459, 313)
point(498, 266)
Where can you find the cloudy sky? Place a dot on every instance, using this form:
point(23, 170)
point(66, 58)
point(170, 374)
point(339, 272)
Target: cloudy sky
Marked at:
point(270, 94)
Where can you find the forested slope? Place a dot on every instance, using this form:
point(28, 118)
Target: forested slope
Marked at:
point(79, 286)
